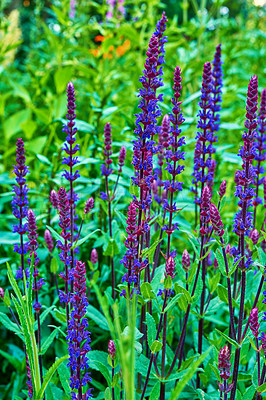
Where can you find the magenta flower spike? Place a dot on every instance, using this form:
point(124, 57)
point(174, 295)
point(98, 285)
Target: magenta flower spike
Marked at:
point(48, 240)
point(94, 256)
point(224, 368)
point(121, 159)
point(216, 220)
point(185, 261)
point(222, 189)
point(89, 205)
point(254, 322)
point(111, 349)
point(54, 199)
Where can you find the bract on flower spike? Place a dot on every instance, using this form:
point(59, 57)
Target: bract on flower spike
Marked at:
point(122, 157)
point(224, 368)
point(111, 349)
point(89, 205)
point(185, 261)
point(222, 189)
point(20, 205)
point(94, 256)
point(54, 199)
point(254, 322)
point(216, 220)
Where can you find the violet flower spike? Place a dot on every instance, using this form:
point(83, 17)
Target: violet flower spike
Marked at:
point(260, 144)
point(216, 220)
point(33, 246)
point(224, 368)
point(89, 205)
point(254, 322)
point(106, 169)
point(122, 157)
point(94, 256)
point(64, 245)
point(20, 205)
point(111, 349)
point(48, 240)
point(205, 135)
point(54, 199)
point(170, 267)
point(185, 261)
point(29, 381)
point(222, 189)
point(78, 336)
point(217, 75)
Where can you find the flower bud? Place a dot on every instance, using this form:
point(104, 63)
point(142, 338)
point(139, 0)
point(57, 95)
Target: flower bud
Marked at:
point(48, 240)
point(111, 349)
point(89, 205)
point(94, 256)
point(185, 261)
point(54, 199)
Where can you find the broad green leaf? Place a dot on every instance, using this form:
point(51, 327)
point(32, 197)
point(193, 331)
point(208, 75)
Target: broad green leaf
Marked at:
point(104, 371)
point(146, 291)
point(179, 289)
point(151, 328)
point(9, 324)
point(190, 372)
point(49, 341)
point(168, 282)
point(149, 252)
point(155, 392)
point(83, 240)
point(213, 282)
point(249, 393)
point(64, 376)
point(156, 346)
point(13, 360)
point(112, 248)
point(220, 260)
point(173, 301)
point(48, 376)
point(97, 317)
point(230, 340)
point(261, 388)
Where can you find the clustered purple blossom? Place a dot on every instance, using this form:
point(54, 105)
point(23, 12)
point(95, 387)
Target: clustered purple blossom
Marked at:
point(94, 256)
point(254, 322)
point(205, 204)
point(54, 199)
point(48, 240)
point(72, 11)
point(112, 6)
point(65, 244)
point(89, 205)
point(78, 337)
point(224, 368)
point(111, 349)
point(29, 380)
point(33, 246)
point(170, 267)
point(20, 205)
point(174, 155)
point(205, 135)
point(185, 261)
point(260, 144)
point(105, 168)
point(217, 75)
point(121, 159)
point(216, 220)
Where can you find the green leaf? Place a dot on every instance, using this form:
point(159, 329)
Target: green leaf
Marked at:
point(213, 282)
point(48, 341)
point(6, 299)
point(220, 260)
point(146, 291)
point(97, 317)
point(261, 388)
point(262, 255)
point(168, 282)
point(13, 360)
point(173, 301)
point(112, 248)
point(108, 111)
point(83, 240)
point(151, 328)
point(49, 374)
point(156, 346)
point(43, 159)
point(149, 252)
point(189, 374)
point(54, 265)
point(179, 289)
point(155, 392)
point(9, 324)
point(230, 340)
point(107, 394)
point(64, 376)
point(104, 371)
point(249, 393)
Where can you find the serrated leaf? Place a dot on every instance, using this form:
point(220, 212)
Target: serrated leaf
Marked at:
point(9, 324)
point(220, 260)
point(104, 371)
point(49, 374)
point(249, 393)
point(156, 346)
point(64, 376)
point(213, 282)
point(155, 392)
point(151, 329)
point(173, 301)
point(48, 341)
point(146, 291)
point(230, 340)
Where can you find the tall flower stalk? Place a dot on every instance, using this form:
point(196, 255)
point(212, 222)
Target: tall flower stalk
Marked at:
point(245, 193)
point(20, 205)
point(71, 160)
point(38, 282)
point(261, 151)
point(78, 336)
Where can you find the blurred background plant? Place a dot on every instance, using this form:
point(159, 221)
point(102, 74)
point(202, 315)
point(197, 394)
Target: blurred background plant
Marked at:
point(46, 44)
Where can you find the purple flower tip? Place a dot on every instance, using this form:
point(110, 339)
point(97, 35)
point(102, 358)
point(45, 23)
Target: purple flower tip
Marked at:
point(111, 349)
point(216, 220)
point(254, 322)
point(89, 205)
point(48, 240)
point(2, 293)
point(54, 199)
point(122, 157)
point(254, 236)
point(185, 261)
point(222, 189)
point(170, 267)
point(224, 363)
point(94, 256)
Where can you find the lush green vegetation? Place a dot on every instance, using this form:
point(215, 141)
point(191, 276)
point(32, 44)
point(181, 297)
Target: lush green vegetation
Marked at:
point(42, 49)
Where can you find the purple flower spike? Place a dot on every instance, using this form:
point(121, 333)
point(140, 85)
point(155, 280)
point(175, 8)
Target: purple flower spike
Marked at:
point(29, 381)
point(122, 157)
point(244, 178)
point(205, 209)
point(78, 337)
point(224, 368)
point(170, 267)
point(33, 246)
point(254, 322)
point(222, 189)
point(165, 131)
point(2, 293)
point(94, 256)
point(71, 160)
point(105, 168)
point(64, 244)
point(54, 199)
point(185, 261)
point(89, 205)
point(217, 75)
point(263, 341)
point(216, 220)
point(111, 349)
point(264, 190)
point(203, 151)
point(48, 240)
point(20, 205)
